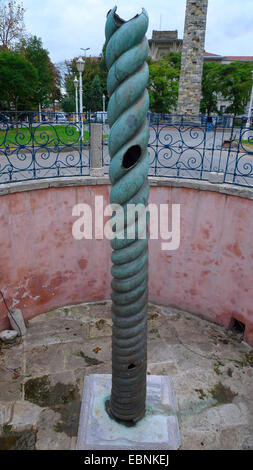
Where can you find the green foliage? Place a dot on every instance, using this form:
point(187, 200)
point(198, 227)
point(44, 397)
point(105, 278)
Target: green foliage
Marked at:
point(210, 87)
point(232, 81)
point(174, 59)
point(93, 96)
point(48, 88)
point(68, 104)
point(236, 85)
point(163, 83)
point(18, 81)
point(93, 67)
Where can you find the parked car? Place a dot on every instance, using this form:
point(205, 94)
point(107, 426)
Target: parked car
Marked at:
point(60, 117)
point(98, 116)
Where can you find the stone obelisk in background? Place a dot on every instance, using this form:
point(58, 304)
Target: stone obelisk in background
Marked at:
point(189, 95)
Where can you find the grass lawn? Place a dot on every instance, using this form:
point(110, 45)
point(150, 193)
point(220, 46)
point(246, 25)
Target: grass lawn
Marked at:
point(247, 144)
point(42, 135)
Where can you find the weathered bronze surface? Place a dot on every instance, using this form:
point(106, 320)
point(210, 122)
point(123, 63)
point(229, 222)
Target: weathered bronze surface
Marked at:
point(126, 53)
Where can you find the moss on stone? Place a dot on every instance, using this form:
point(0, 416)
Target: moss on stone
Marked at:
point(61, 398)
point(37, 391)
point(17, 440)
point(222, 394)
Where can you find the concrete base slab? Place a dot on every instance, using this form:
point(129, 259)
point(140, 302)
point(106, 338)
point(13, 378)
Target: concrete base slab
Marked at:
point(157, 430)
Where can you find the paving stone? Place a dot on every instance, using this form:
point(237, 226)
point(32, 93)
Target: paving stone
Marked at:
point(90, 353)
point(163, 368)
point(42, 360)
point(5, 413)
point(189, 336)
point(197, 440)
point(100, 327)
point(63, 378)
point(47, 437)
point(11, 390)
point(12, 356)
point(228, 439)
point(89, 311)
point(79, 333)
point(49, 349)
point(247, 443)
point(158, 328)
point(25, 415)
point(161, 351)
point(228, 415)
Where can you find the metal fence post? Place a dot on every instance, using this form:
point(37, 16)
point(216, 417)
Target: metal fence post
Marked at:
point(96, 150)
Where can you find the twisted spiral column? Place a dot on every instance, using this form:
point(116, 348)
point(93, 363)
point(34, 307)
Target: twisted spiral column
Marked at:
point(126, 52)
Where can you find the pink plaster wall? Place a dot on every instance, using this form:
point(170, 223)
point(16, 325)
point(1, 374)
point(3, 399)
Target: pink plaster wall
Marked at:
point(211, 274)
point(42, 267)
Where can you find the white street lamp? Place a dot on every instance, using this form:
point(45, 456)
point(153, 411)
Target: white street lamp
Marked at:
point(103, 108)
point(87, 49)
point(76, 92)
point(80, 68)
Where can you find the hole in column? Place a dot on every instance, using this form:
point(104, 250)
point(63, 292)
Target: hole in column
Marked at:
point(131, 156)
point(131, 366)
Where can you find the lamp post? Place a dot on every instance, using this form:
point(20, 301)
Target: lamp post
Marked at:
point(103, 108)
point(80, 68)
point(87, 49)
point(76, 93)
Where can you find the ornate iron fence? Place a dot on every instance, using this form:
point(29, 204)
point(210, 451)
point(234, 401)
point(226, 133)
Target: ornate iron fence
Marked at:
point(42, 145)
point(193, 147)
point(34, 146)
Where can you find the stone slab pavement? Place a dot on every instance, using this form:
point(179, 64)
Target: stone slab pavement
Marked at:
point(42, 374)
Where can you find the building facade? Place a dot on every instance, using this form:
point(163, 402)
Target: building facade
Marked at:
point(163, 42)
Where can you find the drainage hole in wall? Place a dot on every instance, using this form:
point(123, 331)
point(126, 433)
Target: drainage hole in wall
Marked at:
point(237, 327)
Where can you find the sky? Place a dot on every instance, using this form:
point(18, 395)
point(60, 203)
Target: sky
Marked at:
point(66, 26)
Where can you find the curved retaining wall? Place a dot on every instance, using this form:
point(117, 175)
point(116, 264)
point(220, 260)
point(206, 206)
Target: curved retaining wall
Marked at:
point(211, 274)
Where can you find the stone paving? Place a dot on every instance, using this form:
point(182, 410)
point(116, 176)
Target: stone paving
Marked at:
point(41, 377)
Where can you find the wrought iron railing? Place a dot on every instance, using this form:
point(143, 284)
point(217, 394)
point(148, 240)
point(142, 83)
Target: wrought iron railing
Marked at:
point(47, 145)
point(192, 147)
point(42, 145)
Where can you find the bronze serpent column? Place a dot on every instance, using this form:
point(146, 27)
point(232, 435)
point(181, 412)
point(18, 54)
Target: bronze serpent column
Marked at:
point(126, 53)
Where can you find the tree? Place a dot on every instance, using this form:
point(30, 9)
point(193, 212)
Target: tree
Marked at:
point(236, 83)
point(93, 97)
point(231, 81)
point(211, 87)
point(68, 104)
point(18, 81)
point(163, 86)
point(49, 78)
point(93, 66)
point(11, 23)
